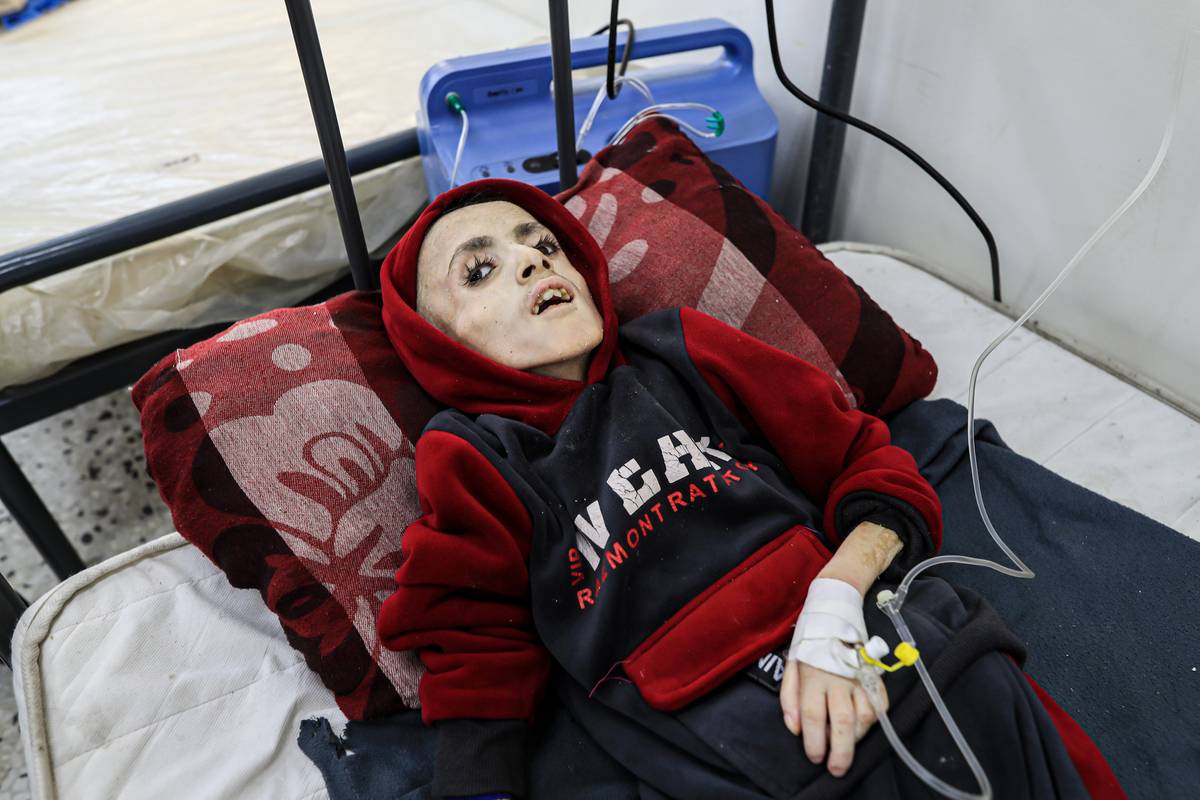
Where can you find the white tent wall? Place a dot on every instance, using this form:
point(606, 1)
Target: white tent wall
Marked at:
point(1046, 116)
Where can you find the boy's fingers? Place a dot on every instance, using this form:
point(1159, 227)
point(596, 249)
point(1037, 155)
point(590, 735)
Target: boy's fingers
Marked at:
point(789, 696)
point(841, 730)
point(812, 720)
point(864, 713)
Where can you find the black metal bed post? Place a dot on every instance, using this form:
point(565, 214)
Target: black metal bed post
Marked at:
point(32, 515)
point(564, 95)
point(829, 134)
point(316, 81)
point(12, 605)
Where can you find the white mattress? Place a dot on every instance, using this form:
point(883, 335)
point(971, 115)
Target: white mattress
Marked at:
point(148, 673)
point(89, 134)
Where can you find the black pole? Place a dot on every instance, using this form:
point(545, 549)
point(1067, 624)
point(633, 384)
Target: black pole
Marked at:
point(564, 97)
point(312, 64)
point(12, 605)
point(32, 515)
point(829, 134)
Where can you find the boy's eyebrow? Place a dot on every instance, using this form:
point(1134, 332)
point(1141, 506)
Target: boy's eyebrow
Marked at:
point(526, 228)
point(478, 243)
point(470, 246)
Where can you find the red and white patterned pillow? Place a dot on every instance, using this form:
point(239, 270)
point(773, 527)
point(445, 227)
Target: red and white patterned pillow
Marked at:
point(283, 448)
point(678, 230)
point(284, 445)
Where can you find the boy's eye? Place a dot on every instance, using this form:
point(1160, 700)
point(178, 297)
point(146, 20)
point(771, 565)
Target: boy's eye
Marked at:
point(547, 245)
point(478, 270)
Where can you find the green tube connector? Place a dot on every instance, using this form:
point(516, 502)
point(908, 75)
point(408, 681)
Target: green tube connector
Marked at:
point(455, 102)
point(716, 123)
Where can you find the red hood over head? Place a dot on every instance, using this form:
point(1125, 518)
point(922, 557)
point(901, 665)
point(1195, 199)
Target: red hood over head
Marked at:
point(461, 378)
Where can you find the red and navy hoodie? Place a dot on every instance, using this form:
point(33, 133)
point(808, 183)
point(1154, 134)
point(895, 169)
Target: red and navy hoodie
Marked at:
point(659, 521)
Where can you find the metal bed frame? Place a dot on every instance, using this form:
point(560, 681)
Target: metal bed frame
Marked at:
point(120, 366)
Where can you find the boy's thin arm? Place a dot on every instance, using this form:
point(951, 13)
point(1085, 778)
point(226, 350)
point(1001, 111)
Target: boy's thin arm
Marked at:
point(814, 700)
point(863, 556)
point(462, 602)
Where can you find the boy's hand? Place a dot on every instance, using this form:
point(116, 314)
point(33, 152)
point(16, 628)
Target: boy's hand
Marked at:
point(832, 712)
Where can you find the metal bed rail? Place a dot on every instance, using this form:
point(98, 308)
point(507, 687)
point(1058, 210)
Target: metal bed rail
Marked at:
point(29, 264)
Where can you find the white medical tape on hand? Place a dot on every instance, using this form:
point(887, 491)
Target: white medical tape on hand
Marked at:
point(830, 628)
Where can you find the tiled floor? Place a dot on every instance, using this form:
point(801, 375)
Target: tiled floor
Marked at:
point(14, 785)
point(87, 464)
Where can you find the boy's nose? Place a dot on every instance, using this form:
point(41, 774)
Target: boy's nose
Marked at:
point(529, 271)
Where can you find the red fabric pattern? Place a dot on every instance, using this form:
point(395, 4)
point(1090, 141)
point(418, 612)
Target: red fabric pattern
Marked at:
point(678, 230)
point(830, 449)
point(462, 595)
point(283, 447)
point(1097, 775)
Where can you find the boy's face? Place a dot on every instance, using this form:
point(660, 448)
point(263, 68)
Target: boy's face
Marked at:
point(494, 279)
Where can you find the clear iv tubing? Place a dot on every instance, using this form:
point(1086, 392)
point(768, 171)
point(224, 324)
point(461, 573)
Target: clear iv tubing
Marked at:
point(636, 83)
point(890, 604)
point(654, 109)
point(462, 140)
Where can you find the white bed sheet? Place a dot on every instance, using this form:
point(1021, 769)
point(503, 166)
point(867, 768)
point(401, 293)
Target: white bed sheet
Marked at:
point(148, 672)
point(149, 676)
point(1049, 404)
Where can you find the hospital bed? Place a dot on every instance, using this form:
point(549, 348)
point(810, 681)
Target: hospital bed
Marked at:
point(129, 627)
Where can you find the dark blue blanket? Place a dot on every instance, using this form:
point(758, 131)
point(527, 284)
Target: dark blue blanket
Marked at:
point(1109, 623)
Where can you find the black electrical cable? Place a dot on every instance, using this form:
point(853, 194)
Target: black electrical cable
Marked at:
point(889, 139)
point(611, 27)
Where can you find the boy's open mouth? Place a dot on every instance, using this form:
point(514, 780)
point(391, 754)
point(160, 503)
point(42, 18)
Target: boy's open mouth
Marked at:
point(549, 292)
